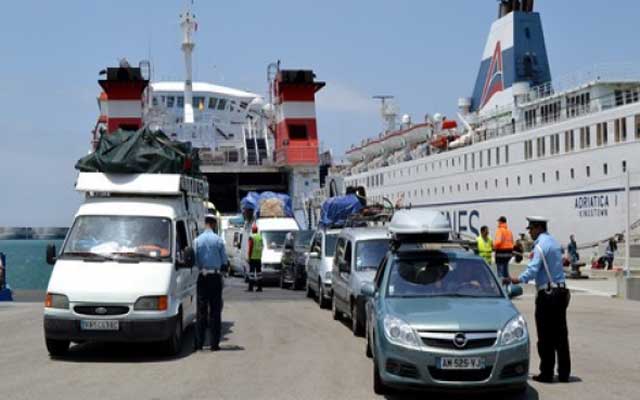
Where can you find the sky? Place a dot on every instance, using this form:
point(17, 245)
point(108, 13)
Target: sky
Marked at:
point(424, 52)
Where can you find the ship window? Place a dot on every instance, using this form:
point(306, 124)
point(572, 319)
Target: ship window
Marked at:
point(569, 141)
point(180, 101)
point(466, 162)
point(154, 101)
point(585, 137)
point(496, 182)
point(212, 103)
point(480, 155)
point(459, 188)
point(530, 179)
point(620, 127)
point(170, 101)
point(506, 154)
point(573, 173)
point(453, 162)
point(476, 186)
point(557, 175)
point(198, 102)
point(447, 163)
point(619, 98)
point(467, 186)
point(488, 157)
point(222, 104)
point(541, 145)
point(486, 184)
point(588, 171)
point(605, 169)
point(544, 177)
point(450, 188)
point(473, 155)
point(421, 192)
point(624, 166)
point(519, 181)
point(428, 192)
point(497, 155)
point(506, 182)
point(601, 134)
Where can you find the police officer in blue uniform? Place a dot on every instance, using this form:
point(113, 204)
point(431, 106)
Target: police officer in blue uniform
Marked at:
point(211, 259)
point(552, 301)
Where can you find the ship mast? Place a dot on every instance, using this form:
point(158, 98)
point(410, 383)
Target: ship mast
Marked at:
point(387, 112)
point(189, 26)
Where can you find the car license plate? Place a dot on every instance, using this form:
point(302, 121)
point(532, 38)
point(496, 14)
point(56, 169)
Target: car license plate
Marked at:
point(461, 363)
point(99, 325)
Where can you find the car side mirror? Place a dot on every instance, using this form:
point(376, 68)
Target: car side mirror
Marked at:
point(186, 258)
point(368, 289)
point(51, 254)
point(314, 255)
point(514, 291)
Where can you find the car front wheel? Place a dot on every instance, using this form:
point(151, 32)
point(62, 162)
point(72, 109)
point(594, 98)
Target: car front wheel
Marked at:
point(57, 348)
point(378, 386)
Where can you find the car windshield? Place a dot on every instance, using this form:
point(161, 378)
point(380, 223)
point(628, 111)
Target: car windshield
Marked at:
point(103, 236)
point(274, 239)
point(369, 253)
point(330, 245)
point(303, 239)
point(442, 276)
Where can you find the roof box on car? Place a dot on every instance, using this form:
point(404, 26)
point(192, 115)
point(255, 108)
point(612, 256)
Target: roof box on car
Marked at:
point(419, 226)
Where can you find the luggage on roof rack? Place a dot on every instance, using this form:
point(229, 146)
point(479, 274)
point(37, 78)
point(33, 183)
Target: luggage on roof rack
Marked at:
point(142, 151)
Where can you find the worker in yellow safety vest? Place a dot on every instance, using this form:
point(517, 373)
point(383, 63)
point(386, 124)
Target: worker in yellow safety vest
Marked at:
point(255, 260)
point(485, 245)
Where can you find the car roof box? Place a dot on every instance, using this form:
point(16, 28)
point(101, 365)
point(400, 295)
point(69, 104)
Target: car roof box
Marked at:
point(419, 226)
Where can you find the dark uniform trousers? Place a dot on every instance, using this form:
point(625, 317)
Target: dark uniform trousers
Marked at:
point(209, 308)
point(255, 274)
point(553, 335)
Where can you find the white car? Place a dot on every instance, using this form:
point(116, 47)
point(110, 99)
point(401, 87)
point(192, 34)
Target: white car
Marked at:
point(126, 269)
point(319, 265)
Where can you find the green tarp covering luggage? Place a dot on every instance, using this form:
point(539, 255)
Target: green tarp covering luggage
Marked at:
point(143, 151)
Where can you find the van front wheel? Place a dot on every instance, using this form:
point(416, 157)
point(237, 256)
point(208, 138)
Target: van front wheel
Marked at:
point(57, 348)
point(174, 343)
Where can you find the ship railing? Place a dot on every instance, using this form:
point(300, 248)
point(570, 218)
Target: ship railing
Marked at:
point(610, 72)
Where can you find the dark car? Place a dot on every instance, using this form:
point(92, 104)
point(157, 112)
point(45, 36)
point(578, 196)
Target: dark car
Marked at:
point(294, 257)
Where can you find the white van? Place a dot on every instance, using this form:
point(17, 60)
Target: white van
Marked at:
point(126, 269)
point(274, 231)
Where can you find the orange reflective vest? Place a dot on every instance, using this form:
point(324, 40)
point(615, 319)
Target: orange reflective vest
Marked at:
point(504, 239)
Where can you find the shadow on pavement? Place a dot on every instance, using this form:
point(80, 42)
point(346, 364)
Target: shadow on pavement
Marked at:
point(529, 394)
point(95, 352)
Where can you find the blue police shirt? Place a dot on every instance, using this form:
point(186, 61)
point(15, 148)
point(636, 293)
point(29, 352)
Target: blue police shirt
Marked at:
point(210, 252)
point(553, 254)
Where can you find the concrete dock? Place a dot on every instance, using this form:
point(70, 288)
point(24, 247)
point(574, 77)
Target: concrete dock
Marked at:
point(280, 345)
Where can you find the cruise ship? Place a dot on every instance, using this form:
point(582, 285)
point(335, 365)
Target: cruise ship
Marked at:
point(523, 144)
point(246, 142)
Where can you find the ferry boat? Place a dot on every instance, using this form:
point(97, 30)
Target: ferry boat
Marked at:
point(523, 144)
point(246, 142)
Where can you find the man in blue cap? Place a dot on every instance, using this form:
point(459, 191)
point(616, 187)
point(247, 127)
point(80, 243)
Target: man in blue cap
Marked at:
point(552, 301)
point(211, 259)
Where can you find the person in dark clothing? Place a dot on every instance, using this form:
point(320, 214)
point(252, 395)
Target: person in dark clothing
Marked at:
point(610, 253)
point(211, 259)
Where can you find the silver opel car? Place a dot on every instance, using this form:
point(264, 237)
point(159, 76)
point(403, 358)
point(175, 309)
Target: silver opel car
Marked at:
point(438, 318)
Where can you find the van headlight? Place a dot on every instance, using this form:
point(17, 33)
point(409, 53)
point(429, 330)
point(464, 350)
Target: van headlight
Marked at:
point(151, 303)
point(59, 301)
point(400, 333)
point(514, 331)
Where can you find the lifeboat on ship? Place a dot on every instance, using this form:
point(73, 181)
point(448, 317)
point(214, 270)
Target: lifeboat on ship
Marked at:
point(373, 148)
point(393, 141)
point(355, 154)
point(417, 134)
point(446, 135)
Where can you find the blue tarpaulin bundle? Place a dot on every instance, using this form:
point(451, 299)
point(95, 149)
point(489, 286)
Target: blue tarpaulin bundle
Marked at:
point(253, 201)
point(336, 210)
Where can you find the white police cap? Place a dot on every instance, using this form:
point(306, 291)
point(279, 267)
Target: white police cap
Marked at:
point(536, 220)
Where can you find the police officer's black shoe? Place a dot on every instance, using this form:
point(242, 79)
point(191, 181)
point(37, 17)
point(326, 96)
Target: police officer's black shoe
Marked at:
point(259, 289)
point(542, 378)
point(215, 348)
point(197, 347)
point(563, 379)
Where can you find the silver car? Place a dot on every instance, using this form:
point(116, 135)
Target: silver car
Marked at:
point(319, 263)
point(359, 252)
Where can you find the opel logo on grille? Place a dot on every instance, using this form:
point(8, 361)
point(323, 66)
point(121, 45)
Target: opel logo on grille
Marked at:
point(460, 340)
point(101, 310)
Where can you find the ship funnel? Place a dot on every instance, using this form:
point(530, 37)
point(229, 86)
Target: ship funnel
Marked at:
point(515, 52)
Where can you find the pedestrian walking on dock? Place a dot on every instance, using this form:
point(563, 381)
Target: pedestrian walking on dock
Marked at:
point(485, 245)
point(552, 301)
point(572, 250)
point(211, 259)
point(503, 245)
point(255, 259)
point(610, 253)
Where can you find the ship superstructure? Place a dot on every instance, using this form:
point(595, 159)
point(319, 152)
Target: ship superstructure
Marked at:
point(526, 144)
point(245, 142)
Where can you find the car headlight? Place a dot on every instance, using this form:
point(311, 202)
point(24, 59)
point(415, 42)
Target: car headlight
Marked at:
point(514, 331)
point(151, 303)
point(53, 300)
point(327, 276)
point(400, 333)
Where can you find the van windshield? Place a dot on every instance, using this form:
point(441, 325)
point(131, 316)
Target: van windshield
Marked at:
point(114, 237)
point(369, 253)
point(274, 239)
point(330, 245)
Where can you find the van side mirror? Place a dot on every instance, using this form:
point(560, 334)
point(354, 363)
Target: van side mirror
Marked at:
point(368, 289)
point(514, 291)
point(343, 267)
point(186, 258)
point(51, 254)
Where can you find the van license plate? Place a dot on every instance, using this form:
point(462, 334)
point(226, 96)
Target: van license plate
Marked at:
point(99, 325)
point(461, 363)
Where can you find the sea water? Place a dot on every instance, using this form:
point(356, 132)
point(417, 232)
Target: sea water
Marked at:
point(27, 267)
